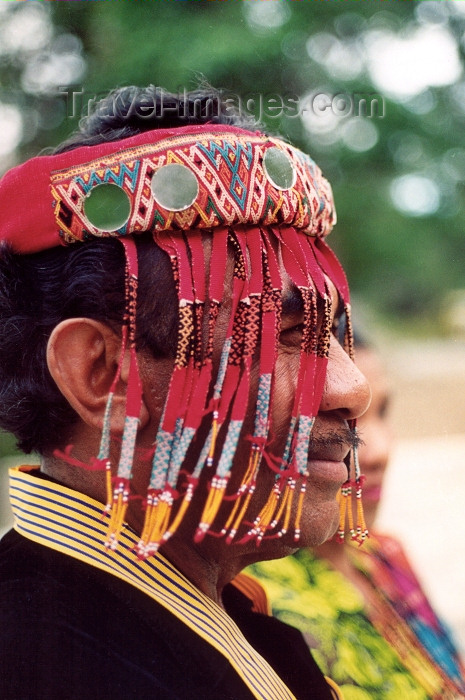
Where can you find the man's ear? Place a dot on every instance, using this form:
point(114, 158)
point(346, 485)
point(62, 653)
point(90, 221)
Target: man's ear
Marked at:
point(82, 357)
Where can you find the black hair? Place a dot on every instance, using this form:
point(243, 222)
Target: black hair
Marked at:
point(40, 290)
point(131, 110)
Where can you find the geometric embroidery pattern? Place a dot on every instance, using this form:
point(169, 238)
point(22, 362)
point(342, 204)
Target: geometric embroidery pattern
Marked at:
point(233, 187)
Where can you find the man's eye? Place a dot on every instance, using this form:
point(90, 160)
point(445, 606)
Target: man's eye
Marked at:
point(338, 329)
point(298, 328)
point(292, 335)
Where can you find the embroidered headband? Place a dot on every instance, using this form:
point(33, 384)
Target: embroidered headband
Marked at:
point(249, 191)
point(165, 180)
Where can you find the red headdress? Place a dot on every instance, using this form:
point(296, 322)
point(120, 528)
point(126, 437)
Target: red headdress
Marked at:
point(270, 205)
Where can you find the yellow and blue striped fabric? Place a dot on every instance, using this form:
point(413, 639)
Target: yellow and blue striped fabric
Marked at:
point(71, 523)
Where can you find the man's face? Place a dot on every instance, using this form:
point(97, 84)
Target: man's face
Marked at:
point(345, 396)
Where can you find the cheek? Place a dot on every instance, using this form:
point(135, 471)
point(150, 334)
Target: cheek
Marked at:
point(377, 439)
point(320, 519)
point(287, 367)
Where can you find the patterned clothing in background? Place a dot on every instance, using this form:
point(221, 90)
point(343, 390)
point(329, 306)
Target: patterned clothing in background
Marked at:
point(372, 655)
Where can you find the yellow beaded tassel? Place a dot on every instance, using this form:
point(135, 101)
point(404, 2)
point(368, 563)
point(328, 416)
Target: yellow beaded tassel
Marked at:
point(288, 499)
point(156, 523)
point(265, 516)
point(109, 488)
point(343, 498)
point(362, 530)
point(214, 499)
point(358, 531)
point(119, 507)
point(181, 512)
point(300, 505)
point(244, 494)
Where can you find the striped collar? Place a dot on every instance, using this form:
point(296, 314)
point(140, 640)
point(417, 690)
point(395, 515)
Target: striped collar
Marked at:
point(71, 523)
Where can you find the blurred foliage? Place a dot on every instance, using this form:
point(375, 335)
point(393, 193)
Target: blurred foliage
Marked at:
point(401, 264)
point(7, 445)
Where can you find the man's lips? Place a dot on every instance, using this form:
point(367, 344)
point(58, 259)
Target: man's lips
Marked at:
point(329, 454)
point(327, 471)
point(328, 450)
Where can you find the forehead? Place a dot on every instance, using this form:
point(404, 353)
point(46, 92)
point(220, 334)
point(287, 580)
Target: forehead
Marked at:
point(292, 300)
point(292, 303)
point(248, 249)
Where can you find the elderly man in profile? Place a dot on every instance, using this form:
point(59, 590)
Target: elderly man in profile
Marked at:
point(169, 312)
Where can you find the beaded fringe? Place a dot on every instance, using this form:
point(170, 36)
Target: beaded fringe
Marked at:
point(196, 394)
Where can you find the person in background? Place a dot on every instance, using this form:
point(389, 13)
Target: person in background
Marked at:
point(362, 608)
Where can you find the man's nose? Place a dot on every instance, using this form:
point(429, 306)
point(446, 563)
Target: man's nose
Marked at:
point(346, 391)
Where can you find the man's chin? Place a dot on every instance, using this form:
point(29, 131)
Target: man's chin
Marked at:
point(321, 528)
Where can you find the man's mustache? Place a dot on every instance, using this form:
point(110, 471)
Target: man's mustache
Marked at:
point(343, 437)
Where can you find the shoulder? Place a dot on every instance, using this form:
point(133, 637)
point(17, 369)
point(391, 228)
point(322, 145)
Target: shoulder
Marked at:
point(66, 632)
point(69, 630)
point(385, 542)
point(390, 548)
point(253, 589)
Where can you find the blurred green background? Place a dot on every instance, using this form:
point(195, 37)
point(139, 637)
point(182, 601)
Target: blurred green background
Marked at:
point(397, 169)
